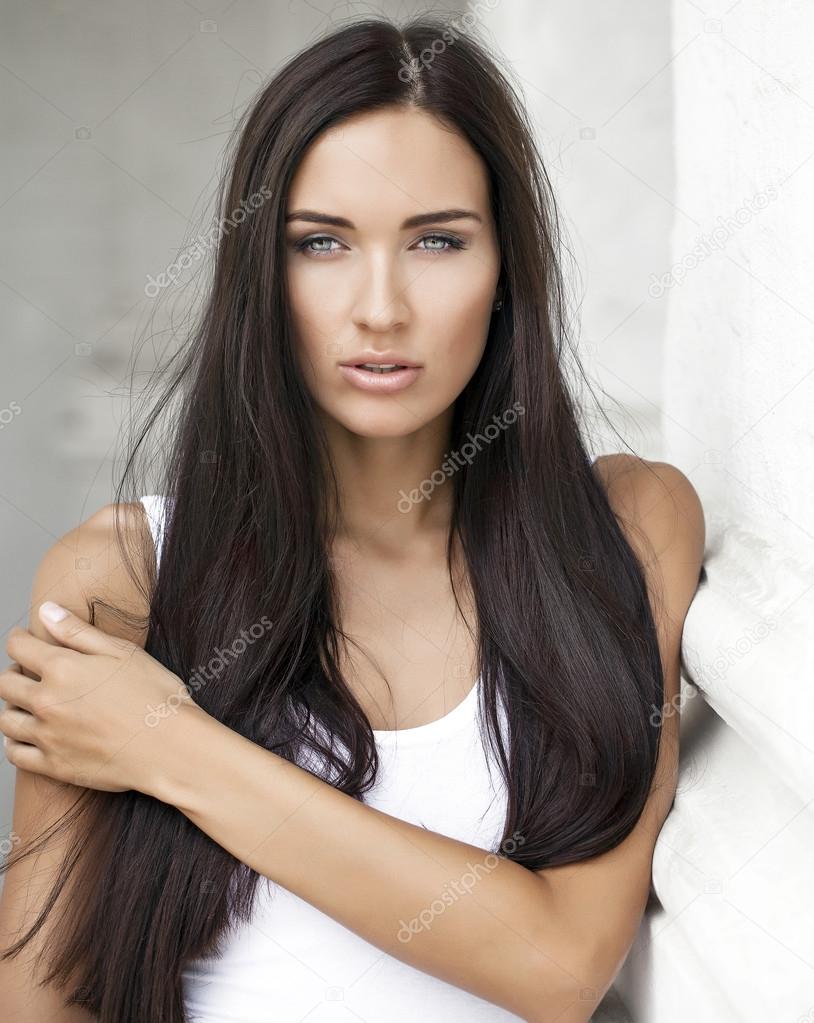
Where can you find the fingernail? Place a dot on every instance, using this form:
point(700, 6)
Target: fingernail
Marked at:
point(53, 612)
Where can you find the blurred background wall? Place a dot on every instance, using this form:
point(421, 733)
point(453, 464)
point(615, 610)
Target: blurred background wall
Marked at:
point(597, 80)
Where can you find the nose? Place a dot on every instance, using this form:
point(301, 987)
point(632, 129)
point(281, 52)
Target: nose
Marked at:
point(380, 303)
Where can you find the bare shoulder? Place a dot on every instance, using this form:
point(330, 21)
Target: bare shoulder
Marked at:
point(87, 564)
point(656, 496)
point(662, 516)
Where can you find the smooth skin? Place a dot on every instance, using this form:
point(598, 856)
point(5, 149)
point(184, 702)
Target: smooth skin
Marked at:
point(545, 945)
point(379, 286)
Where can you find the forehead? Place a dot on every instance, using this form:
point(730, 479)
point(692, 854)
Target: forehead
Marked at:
point(389, 164)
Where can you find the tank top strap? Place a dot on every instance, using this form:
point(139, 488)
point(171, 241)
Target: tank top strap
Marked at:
point(154, 507)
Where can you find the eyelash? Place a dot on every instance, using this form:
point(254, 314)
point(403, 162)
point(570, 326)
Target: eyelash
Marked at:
point(454, 243)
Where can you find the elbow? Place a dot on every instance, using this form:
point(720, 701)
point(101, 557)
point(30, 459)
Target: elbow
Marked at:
point(567, 989)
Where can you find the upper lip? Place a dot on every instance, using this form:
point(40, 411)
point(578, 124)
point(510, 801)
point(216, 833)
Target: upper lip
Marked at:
point(380, 359)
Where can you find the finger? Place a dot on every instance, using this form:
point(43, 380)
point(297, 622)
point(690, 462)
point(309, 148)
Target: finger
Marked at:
point(12, 667)
point(18, 725)
point(31, 758)
point(17, 689)
point(74, 632)
point(28, 650)
point(24, 756)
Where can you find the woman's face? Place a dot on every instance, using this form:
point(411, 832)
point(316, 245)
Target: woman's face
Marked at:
point(377, 285)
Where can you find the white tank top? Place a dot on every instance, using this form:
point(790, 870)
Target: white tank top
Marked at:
point(291, 963)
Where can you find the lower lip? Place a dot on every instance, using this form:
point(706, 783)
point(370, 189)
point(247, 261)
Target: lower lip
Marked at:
point(381, 383)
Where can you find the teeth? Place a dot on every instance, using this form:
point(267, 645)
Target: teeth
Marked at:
point(379, 369)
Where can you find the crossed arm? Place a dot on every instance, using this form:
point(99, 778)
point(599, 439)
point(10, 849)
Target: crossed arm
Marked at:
point(376, 874)
point(545, 945)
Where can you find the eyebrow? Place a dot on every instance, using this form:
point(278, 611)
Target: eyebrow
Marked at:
point(419, 220)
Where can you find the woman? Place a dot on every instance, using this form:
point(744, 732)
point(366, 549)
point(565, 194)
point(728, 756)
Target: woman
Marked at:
point(377, 492)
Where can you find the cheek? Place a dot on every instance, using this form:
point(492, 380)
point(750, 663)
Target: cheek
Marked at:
point(462, 345)
point(316, 330)
point(450, 323)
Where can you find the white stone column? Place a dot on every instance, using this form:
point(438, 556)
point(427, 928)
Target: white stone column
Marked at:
point(733, 938)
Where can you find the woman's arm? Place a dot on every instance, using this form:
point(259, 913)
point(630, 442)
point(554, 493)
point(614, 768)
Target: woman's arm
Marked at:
point(374, 873)
point(606, 895)
point(544, 945)
point(83, 560)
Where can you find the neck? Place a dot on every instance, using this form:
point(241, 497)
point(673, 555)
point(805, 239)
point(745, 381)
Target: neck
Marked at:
point(388, 496)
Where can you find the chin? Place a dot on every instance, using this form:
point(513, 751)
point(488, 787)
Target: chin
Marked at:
point(399, 422)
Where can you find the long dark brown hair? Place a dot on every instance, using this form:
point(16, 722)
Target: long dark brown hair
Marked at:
point(564, 628)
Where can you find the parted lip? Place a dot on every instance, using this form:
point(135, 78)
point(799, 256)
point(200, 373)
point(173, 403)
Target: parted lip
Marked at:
point(381, 359)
